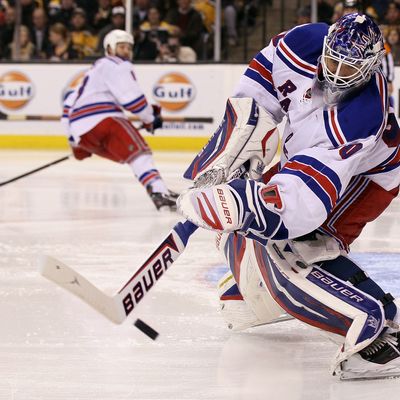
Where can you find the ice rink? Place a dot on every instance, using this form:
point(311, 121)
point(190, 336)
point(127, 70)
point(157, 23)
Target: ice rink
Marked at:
point(95, 217)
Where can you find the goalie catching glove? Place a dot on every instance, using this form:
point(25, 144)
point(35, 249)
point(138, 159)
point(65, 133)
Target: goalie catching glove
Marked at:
point(246, 206)
point(247, 136)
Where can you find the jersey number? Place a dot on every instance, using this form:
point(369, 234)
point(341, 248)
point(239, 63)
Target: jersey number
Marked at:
point(349, 150)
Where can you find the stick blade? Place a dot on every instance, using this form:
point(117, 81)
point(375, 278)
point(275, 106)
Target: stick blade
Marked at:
point(64, 276)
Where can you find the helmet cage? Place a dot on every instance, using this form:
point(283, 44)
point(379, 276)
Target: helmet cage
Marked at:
point(363, 68)
point(354, 44)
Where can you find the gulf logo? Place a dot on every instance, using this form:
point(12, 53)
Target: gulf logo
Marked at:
point(73, 83)
point(16, 90)
point(174, 91)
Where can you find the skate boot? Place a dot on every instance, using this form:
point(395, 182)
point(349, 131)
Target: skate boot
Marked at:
point(381, 359)
point(163, 201)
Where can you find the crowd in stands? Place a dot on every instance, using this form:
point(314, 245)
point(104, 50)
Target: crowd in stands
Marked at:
point(386, 13)
point(164, 30)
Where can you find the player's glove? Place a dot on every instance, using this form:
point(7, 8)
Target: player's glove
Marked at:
point(157, 122)
point(241, 206)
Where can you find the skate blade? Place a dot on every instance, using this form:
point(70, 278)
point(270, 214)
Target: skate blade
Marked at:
point(363, 375)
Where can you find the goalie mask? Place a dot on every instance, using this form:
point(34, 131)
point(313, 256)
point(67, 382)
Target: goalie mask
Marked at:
point(352, 52)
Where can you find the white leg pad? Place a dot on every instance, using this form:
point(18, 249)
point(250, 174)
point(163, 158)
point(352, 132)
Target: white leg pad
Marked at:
point(254, 305)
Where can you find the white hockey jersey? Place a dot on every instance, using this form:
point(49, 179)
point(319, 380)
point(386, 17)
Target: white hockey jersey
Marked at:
point(324, 150)
point(106, 89)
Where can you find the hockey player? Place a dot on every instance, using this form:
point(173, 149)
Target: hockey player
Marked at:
point(339, 169)
point(95, 122)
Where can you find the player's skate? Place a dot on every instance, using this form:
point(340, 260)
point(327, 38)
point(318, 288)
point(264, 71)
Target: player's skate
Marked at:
point(163, 201)
point(381, 359)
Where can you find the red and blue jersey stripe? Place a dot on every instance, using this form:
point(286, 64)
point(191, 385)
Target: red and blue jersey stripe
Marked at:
point(93, 109)
point(260, 71)
point(360, 116)
point(391, 163)
point(149, 176)
point(137, 105)
point(318, 177)
point(298, 52)
point(294, 62)
point(66, 109)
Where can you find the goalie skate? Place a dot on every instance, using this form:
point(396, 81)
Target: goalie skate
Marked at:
point(381, 359)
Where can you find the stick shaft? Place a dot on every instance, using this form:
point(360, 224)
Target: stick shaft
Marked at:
point(35, 170)
point(117, 308)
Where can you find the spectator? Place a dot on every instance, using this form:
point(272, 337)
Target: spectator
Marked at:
point(64, 13)
point(380, 7)
point(26, 47)
point(83, 41)
point(117, 22)
point(206, 8)
point(27, 7)
point(351, 6)
point(337, 12)
point(2, 13)
point(388, 71)
point(325, 12)
point(61, 46)
point(156, 29)
point(392, 16)
point(371, 12)
point(172, 51)
point(393, 40)
point(40, 33)
point(303, 15)
point(190, 24)
point(102, 17)
point(7, 31)
point(145, 48)
point(140, 11)
point(230, 15)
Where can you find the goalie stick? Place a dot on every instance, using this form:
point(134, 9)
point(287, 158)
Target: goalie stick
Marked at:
point(117, 307)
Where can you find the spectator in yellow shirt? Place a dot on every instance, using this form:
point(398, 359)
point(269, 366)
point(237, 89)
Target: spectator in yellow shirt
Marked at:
point(83, 41)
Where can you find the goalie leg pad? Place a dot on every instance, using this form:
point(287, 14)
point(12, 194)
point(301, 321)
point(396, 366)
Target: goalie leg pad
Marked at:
point(320, 299)
point(347, 270)
point(245, 302)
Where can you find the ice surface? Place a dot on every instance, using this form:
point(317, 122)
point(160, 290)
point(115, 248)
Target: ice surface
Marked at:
point(94, 216)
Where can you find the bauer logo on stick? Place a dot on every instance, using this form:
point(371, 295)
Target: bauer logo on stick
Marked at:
point(174, 91)
point(16, 90)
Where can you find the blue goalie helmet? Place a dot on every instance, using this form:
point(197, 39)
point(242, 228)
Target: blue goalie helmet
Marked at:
point(352, 52)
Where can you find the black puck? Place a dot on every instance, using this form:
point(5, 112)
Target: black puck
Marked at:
point(146, 329)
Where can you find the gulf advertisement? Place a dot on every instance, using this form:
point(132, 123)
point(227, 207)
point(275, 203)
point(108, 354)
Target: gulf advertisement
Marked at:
point(192, 98)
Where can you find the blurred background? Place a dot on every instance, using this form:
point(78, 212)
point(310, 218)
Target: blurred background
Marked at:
point(70, 30)
point(188, 53)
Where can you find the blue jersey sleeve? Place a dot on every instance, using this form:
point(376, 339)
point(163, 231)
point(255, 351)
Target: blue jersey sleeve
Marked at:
point(360, 116)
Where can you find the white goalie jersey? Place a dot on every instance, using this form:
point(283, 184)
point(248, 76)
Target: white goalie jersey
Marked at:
point(324, 151)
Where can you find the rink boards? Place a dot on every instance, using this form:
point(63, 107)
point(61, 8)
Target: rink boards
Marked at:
point(192, 95)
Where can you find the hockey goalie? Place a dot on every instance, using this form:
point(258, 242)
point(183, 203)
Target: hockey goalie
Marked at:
point(286, 232)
